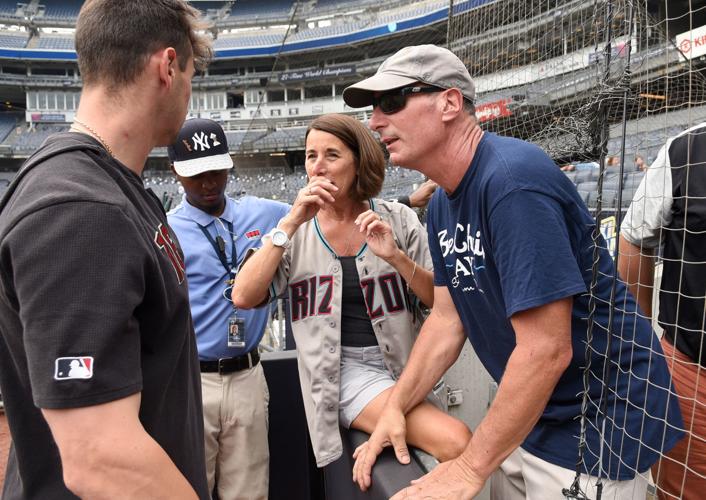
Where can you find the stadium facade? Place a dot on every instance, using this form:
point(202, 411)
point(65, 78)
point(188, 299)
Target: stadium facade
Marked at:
point(542, 70)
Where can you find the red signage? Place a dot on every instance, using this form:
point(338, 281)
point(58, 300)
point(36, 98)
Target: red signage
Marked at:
point(686, 45)
point(692, 43)
point(493, 110)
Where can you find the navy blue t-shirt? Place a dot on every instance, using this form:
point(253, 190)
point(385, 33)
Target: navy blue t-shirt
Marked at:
point(516, 235)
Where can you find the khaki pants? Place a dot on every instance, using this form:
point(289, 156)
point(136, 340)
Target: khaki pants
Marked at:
point(524, 476)
point(235, 429)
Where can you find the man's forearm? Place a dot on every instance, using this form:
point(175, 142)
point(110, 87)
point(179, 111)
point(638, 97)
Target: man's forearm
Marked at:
point(523, 394)
point(106, 453)
point(542, 353)
point(133, 469)
point(435, 350)
point(421, 196)
point(636, 268)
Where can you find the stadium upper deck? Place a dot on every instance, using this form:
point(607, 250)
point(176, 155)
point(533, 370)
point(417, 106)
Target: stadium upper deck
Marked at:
point(334, 24)
point(530, 62)
point(238, 13)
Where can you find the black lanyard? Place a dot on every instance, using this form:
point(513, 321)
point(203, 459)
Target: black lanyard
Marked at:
point(221, 252)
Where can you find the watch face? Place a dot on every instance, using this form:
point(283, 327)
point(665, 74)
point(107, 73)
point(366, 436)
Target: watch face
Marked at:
point(279, 238)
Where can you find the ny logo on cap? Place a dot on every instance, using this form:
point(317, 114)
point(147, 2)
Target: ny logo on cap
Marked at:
point(201, 140)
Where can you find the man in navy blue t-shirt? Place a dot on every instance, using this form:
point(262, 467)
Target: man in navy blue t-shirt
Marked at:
point(512, 247)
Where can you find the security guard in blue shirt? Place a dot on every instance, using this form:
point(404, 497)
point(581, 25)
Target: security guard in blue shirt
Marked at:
point(215, 232)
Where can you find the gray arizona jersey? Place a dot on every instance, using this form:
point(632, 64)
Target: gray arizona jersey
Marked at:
point(311, 275)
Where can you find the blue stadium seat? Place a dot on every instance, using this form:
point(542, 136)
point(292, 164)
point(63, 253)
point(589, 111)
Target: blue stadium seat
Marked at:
point(584, 195)
point(633, 179)
point(7, 123)
point(56, 42)
point(64, 10)
point(275, 182)
point(258, 8)
point(13, 40)
point(627, 196)
point(583, 176)
point(207, 6)
point(30, 140)
point(248, 40)
point(612, 180)
point(8, 8)
point(587, 186)
point(610, 198)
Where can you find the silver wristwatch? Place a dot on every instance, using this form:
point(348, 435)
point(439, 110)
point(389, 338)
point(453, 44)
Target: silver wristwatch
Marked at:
point(279, 238)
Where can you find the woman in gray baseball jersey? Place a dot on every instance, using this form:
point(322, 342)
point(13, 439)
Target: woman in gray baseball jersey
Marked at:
point(354, 268)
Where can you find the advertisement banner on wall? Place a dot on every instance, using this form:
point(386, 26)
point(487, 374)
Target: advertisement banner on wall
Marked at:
point(493, 110)
point(48, 117)
point(692, 43)
point(618, 49)
point(315, 74)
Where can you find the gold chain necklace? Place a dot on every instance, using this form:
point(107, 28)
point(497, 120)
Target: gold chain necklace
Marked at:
point(96, 135)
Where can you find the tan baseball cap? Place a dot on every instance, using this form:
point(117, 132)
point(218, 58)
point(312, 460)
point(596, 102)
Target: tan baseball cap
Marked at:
point(420, 63)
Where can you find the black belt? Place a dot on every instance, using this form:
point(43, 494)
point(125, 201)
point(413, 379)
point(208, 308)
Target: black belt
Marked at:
point(229, 365)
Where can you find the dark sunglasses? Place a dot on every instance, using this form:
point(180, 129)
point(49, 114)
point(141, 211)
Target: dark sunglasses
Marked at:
point(394, 100)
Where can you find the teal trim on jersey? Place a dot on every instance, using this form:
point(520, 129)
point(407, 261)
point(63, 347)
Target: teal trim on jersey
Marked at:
point(320, 234)
point(321, 237)
point(362, 249)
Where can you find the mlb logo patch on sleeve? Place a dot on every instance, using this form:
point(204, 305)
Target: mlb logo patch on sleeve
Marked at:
point(73, 368)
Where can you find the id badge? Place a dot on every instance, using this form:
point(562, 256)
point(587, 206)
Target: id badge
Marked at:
point(236, 331)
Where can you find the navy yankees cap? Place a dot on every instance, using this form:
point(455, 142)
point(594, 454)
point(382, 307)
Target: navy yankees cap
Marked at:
point(200, 146)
